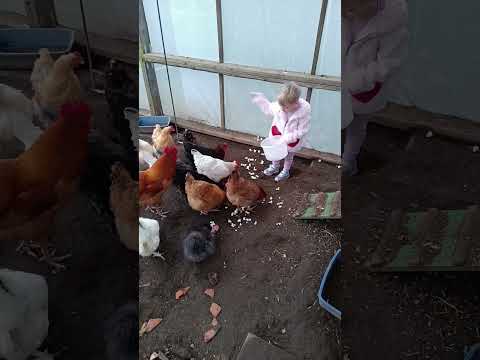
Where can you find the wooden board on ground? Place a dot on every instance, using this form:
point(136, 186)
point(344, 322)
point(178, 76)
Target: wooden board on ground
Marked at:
point(434, 240)
point(320, 206)
point(255, 348)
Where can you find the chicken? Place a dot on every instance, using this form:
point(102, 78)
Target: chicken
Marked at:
point(17, 116)
point(156, 180)
point(121, 333)
point(242, 192)
point(182, 169)
point(147, 155)
point(218, 153)
point(199, 243)
point(203, 196)
point(124, 205)
point(61, 85)
point(41, 69)
point(23, 314)
point(149, 235)
point(162, 138)
point(214, 169)
point(46, 175)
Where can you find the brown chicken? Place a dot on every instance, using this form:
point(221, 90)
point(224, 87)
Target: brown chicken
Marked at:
point(242, 192)
point(154, 181)
point(61, 86)
point(162, 138)
point(46, 175)
point(124, 205)
point(203, 196)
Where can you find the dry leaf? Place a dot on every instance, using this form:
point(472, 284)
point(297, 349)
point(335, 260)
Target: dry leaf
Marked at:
point(210, 292)
point(214, 322)
point(181, 293)
point(149, 326)
point(154, 356)
point(209, 335)
point(215, 310)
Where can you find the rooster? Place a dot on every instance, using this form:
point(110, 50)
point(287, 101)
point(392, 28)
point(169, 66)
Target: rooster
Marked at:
point(162, 138)
point(46, 175)
point(61, 86)
point(124, 205)
point(154, 181)
point(242, 192)
point(41, 69)
point(203, 196)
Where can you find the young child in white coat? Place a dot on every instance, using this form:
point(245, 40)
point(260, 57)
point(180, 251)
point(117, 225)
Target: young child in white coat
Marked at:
point(291, 121)
point(374, 45)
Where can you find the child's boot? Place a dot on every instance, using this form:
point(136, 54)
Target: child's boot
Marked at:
point(272, 169)
point(284, 175)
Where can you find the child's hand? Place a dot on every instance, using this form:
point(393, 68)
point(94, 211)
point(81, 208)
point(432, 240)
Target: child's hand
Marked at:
point(255, 94)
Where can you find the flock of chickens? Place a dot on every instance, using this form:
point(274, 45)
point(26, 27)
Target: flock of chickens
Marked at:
point(36, 180)
point(203, 176)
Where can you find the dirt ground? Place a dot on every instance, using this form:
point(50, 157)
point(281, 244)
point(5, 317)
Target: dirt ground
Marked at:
point(269, 274)
point(406, 316)
point(101, 276)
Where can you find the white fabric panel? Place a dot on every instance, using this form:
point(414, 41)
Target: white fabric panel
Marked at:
point(329, 59)
point(189, 27)
point(438, 75)
point(196, 94)
point(270, 33)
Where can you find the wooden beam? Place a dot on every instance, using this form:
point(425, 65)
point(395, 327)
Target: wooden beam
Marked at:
point(221, 80)
point(406, 117)
point(248, 72)
point(148, 69)
point(244, 138)
point(318, 42)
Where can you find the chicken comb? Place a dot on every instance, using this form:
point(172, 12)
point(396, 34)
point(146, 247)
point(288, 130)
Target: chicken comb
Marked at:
point(78, 110)
point(170, 150)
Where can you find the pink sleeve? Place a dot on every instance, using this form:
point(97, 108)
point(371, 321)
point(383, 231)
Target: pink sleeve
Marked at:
point(262, 102)
point(302, 128)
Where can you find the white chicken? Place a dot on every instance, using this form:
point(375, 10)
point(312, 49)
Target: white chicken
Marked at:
point(147, 155)
point(214, 169)
point(41, 69)
point(23, 315)
point(131, 115)
point(149, 237)
point(17, 115)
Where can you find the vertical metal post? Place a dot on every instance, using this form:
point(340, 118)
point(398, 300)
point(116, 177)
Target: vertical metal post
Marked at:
point(148, 69)
point(221, 81)
point(318, 42)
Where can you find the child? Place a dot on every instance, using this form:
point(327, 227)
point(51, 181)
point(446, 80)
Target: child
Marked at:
point(291, 120)
point(374, 43)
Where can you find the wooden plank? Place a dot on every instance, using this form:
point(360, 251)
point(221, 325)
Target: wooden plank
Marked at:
point(318, 42)
point(221, 80)
point(331, 83)
point(148, 69)
point(465, 236)
point(409, 117)
point(255, 348)
point(247, 139)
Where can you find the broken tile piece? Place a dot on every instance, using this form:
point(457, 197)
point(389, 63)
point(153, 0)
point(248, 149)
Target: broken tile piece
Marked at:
point(181, 293)
point(215, 310)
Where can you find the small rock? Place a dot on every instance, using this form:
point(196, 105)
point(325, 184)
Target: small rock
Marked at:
point(429, 134)
point(475, 148)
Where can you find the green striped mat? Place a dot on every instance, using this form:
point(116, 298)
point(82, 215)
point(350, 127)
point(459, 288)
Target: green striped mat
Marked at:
point(320, 206)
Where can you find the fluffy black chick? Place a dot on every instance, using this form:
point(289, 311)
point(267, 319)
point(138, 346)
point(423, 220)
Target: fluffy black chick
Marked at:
point(200, 241)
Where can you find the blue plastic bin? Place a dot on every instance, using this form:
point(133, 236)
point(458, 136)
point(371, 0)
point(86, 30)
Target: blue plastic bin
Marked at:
point(151, 121)
point(321, 293)
point(19, 47)
point(473, 352)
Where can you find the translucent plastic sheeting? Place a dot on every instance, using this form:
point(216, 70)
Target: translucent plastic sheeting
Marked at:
point(189, 27)
point(241, 115)
point(271, 33)
point(435, 76)
point(329, 58)
point(196, 94)
point(326, 121)
point(13, 6)
point(143, 98)
point(122, 24)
